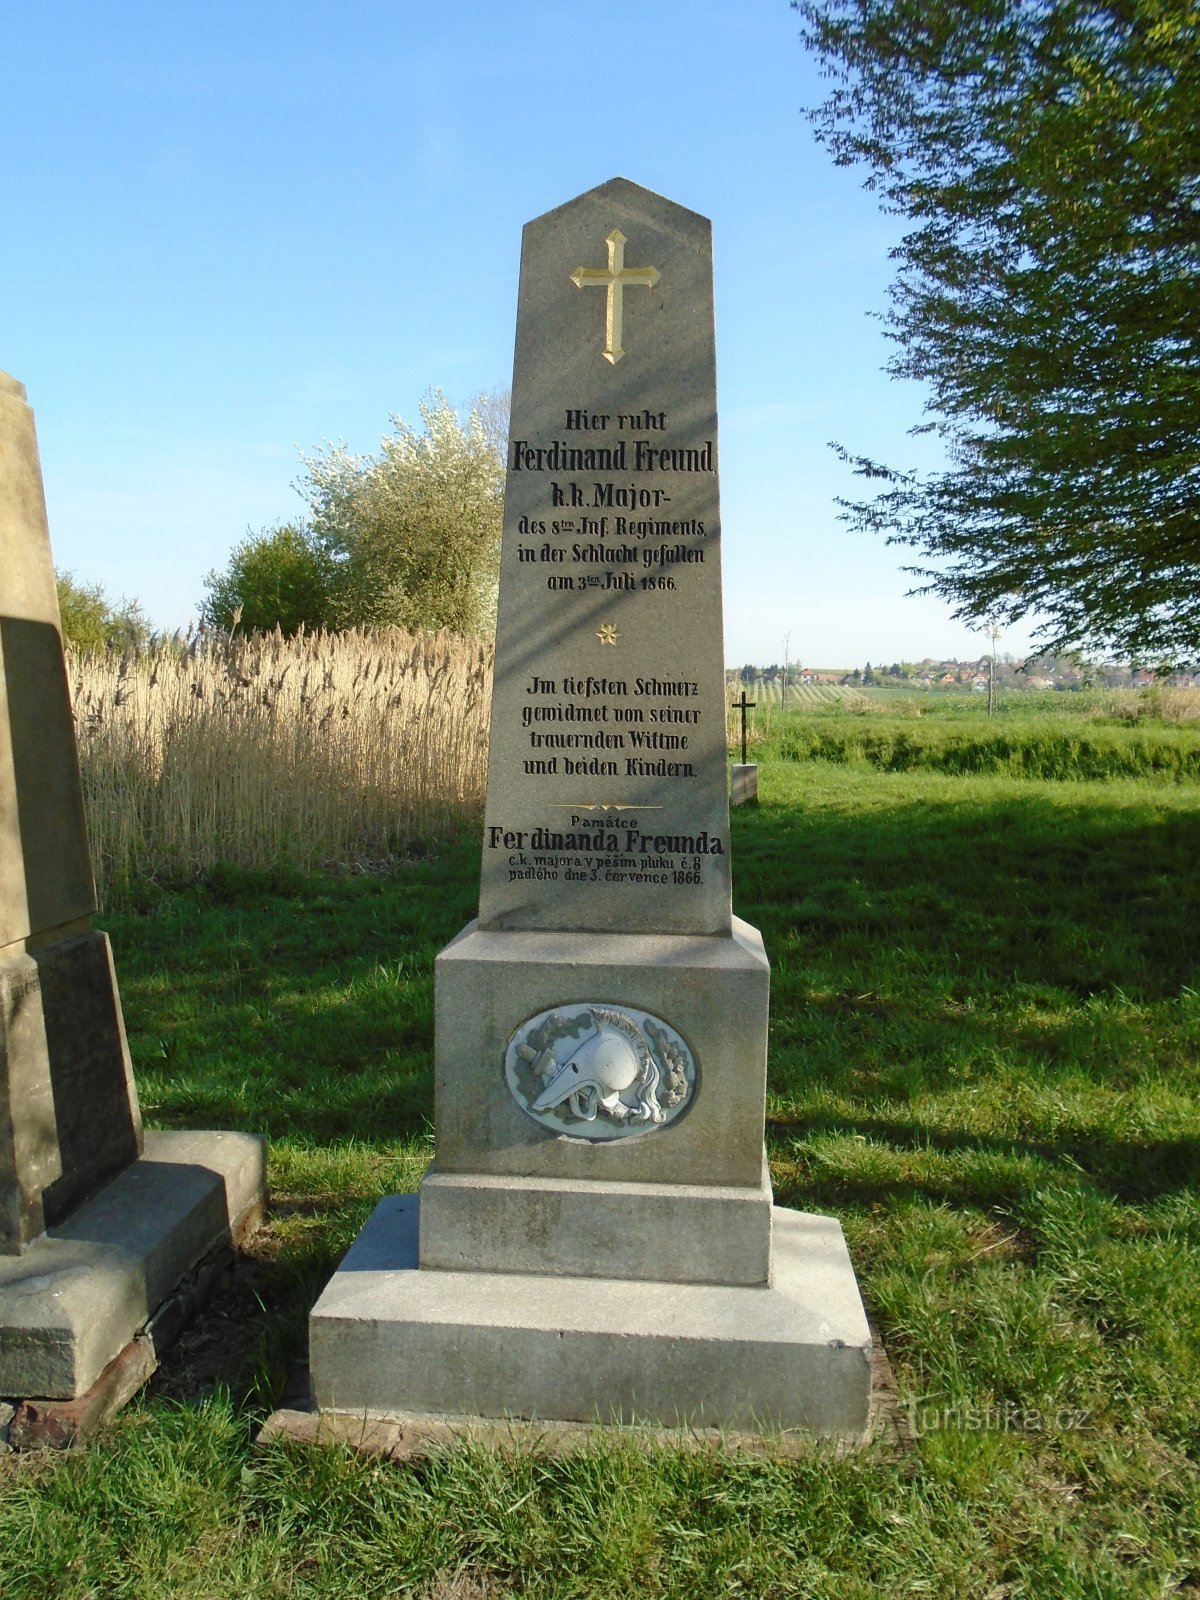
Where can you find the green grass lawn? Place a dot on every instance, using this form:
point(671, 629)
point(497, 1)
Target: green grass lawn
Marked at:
point(985, 1060)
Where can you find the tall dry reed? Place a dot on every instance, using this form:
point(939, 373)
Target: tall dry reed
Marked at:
point(320, 750)
point(1160, 702)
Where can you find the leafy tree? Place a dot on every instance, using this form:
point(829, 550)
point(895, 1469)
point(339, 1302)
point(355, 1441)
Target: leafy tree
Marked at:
point(415, 530)
point(1047, 155)
point(281, 578)
point(90, 621)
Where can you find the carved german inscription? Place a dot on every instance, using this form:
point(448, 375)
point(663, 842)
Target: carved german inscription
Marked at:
point(607, 800)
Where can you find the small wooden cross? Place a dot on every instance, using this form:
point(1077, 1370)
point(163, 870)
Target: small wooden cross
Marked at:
point(614, 277)
point(743, 705)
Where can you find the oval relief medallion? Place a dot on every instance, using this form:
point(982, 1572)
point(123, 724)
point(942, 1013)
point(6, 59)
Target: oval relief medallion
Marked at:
point(600, 1071)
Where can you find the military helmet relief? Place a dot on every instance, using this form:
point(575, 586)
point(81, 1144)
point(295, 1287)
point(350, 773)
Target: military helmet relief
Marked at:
point(597, 1071)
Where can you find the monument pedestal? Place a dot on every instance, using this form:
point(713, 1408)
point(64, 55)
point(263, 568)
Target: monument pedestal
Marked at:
point(715, 987)
point(694, 1233)
point(633, 1279)
point(100, 1224)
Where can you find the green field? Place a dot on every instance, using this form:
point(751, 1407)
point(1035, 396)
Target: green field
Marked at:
point(799, 695)
point(985, 1060)
point(1090, 735)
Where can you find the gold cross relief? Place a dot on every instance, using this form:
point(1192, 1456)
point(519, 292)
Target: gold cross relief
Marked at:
point(614, 278)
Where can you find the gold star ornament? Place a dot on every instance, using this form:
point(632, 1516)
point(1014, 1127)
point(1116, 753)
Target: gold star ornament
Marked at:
point(607, 633)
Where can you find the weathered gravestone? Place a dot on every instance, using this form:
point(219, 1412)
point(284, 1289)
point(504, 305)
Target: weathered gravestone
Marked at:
point(98, 1224)
point(596, 1239)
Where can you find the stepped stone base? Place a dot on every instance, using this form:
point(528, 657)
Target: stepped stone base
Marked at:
point(578, 1227)
point(391, 1338)
point(77, 1296)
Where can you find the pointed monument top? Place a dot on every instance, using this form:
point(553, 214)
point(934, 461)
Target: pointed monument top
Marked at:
point(622, 192)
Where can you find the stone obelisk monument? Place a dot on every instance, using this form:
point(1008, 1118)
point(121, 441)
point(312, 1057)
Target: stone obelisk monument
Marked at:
point(98, 1223)
point(596, 1239)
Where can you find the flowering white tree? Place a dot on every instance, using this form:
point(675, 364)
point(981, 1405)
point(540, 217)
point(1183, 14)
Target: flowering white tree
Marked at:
point(415, 530)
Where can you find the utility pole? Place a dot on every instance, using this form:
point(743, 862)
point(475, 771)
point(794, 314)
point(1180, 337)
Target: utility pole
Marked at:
point(787, 639)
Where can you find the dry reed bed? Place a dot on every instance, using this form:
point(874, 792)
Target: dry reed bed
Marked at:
point(1158, 703)
point(320, 750)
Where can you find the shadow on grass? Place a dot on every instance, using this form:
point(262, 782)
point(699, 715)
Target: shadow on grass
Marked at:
point(999, 1169)
point(1085, 895)
point(294, 1005)
point(1018, 969)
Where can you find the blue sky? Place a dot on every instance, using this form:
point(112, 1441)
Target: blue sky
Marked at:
point(236, 231)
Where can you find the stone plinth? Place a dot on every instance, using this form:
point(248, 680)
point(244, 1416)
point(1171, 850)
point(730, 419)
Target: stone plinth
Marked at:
point(389, 1337)
point(584, 1227)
